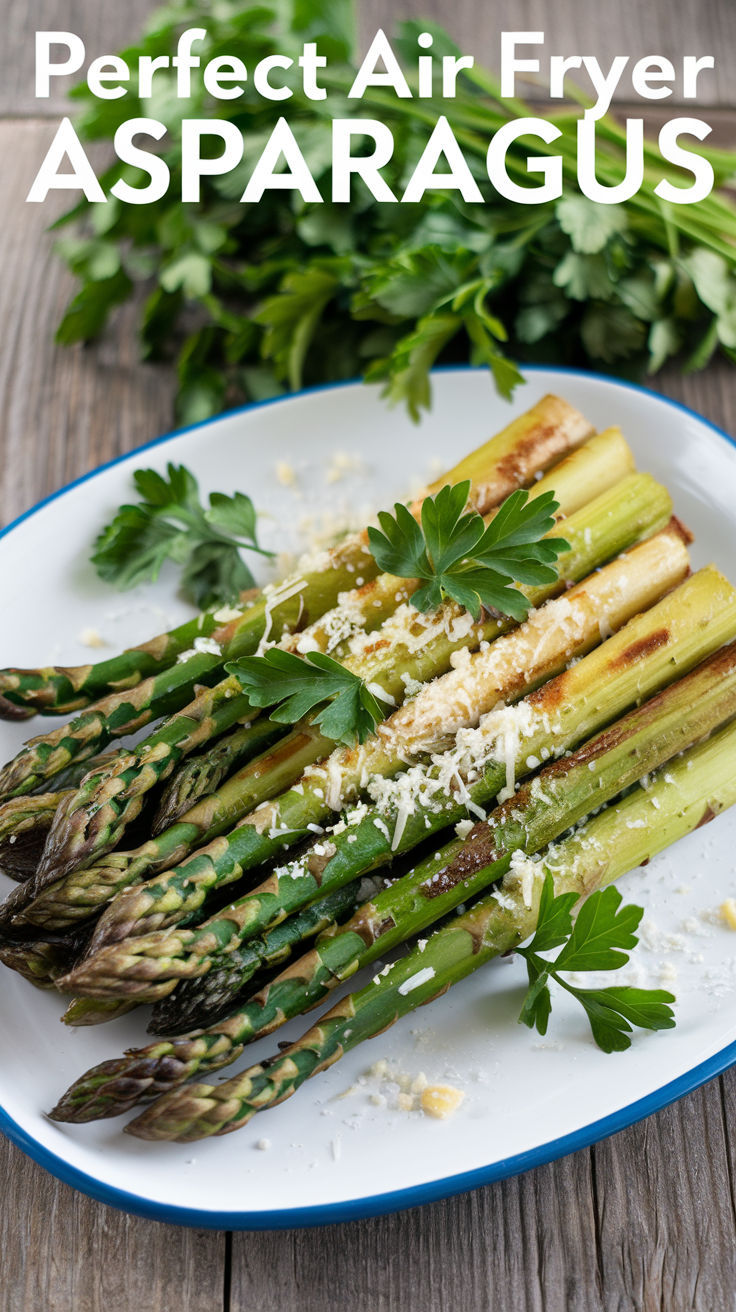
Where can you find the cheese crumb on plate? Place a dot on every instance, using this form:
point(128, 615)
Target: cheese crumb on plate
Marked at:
point(441, 1100)
point(728, 912)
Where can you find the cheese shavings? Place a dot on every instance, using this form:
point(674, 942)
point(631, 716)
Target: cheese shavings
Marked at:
point(276, 596)
point(415, 981)
point(523, 873)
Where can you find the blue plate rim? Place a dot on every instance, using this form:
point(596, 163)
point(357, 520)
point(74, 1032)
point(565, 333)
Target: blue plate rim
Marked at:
point(414, 1195)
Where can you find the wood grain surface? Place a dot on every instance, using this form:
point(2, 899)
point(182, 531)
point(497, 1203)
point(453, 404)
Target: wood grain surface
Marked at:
point(643, 1222)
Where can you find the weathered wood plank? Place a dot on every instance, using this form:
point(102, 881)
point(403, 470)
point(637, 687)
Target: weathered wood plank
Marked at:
point(105, 27)
point(666, 1209)
point(511, 1245)
point(61, 1252)
point(577, 27)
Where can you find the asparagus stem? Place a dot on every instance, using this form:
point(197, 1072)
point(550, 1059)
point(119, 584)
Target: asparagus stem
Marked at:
point(644, 655)
point(109, 799)
point(690, 792)
point(296, 601)
point(532, 442)
point(423, 646)
point(187, 1009)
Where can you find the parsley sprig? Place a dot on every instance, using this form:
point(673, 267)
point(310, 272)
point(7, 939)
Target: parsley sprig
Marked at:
point(457, 556)
point(170, 523)
point(297, 686)
point(603, 935)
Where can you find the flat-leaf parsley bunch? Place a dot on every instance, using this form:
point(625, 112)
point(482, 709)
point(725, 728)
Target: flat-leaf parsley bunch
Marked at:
point(259, 298)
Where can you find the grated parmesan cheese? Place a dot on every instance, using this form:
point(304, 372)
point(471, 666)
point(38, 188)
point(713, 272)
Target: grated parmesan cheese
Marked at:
point(523, 874)
point(416, 981)
point(728, 912)
point(343, 463)
point(208, 646)
point(441, 1100)
point(225, 614)
point(276, 595)
point(285, 473)
point(91, 638)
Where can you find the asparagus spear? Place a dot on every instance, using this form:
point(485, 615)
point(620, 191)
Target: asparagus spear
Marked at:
point(44, 959)
point(199, 775)
point(61, 690)
point(531, 443)
point(563, 794)
point(265, 954)
point(24, 824)
point(107, 800)
point(424, 646)
point(269, 952)
point(90, 1011)
point(690, 792)
point(645, 654)
point(510, 459)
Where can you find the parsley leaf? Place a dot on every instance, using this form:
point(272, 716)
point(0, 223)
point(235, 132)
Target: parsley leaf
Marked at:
point(538, 1002)
point(603, 934)
point(613, 1013)
point(298, 685)
point(292, 317)
point(554, 922)
point(600, 939)
point(590, 226)
point(407, 368)
point(169, 523)
point(455, 554)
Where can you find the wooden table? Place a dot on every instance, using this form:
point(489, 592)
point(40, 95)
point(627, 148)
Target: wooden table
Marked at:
point(646, 1220)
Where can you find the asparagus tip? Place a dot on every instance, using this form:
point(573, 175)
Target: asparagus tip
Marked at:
point(9, 710)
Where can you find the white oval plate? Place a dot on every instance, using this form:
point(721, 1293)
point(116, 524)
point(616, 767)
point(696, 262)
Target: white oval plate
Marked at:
point(334, 1154)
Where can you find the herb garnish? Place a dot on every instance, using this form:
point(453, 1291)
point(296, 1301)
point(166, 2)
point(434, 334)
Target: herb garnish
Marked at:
point(170, 523)
point(457, 556)
point(601, 939)
point(297, 685)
